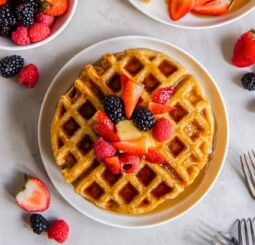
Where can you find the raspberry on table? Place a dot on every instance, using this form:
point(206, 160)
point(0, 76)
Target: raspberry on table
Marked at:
point(248, 81)
point(28, 75)
point(11, 65)
point(143, 118)
point(58, 231)
point(38, 223)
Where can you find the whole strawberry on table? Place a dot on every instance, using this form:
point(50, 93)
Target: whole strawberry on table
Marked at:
point(29, 21)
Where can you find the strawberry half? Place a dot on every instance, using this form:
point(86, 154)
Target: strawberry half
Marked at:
point(134, 147)
point(123, 80)
point(153, 156)
point(244, 51)
point(35, 196)
point(162, 95)
point(179, 8)
point(113, 164)
point(131, 95)
point(211, 7)
point(157, 108)
point(105, 120)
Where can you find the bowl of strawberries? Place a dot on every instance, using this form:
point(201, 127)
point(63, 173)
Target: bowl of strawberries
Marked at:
point(26, 24)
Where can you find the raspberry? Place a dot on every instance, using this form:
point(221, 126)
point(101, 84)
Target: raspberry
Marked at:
point(103, 149)
point(38, 32)
point(58, 231)
point(162, 129)
point(153, 156)
point(20, 36)
point(129, 163)
point(162, 95)
point(28, 75)
point(44, 18)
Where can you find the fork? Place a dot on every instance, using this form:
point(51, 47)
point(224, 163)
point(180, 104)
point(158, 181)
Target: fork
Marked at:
point(225, 238)
point(248, 166)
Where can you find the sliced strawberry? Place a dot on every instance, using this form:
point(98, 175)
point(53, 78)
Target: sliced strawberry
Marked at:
point(35, 196)
point(113, 164)
point(211, 7)
point(131, 95)
point(105, 120)
point(162, 95)
point(134, 147)
point(105, 132)
point(123, 80)
point(153, 156)
point(179, 8)
point(129, 163)
point(157, 108)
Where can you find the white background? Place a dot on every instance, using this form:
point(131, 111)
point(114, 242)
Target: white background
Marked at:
point(94, 21)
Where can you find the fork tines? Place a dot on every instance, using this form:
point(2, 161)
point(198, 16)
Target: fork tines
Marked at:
point(248, 166)
point(246, 232)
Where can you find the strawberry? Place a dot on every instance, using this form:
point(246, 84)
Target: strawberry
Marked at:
point(123, 80)
point(131, 95)
point(2, 2)
point(162, 95)
point(212, 7)
point(129, 163)
point(133, 147)
point(179, 8)
point(54, 7)
point(113, 164)
point(162, 129)
point(244, 51)
point(153, 156)
point(35, 196)
point(104, 127)
point(157, 108)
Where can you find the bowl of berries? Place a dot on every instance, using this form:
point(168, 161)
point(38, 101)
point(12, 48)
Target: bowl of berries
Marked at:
point(26, 24)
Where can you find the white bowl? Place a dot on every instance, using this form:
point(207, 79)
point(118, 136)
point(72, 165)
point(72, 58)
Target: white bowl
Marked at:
point(170, 211)
point(157, 10)
point(58, 26)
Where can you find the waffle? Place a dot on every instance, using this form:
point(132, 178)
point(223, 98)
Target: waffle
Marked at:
point(187, 151)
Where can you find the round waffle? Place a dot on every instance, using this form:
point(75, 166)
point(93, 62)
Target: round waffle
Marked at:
point(187, 151)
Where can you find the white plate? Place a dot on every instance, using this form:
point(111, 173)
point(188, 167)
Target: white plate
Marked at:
point(62, 82)
point(157, 10)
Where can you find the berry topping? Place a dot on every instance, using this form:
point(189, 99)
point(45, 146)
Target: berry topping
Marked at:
point(248, 81)
point(55, 7)
point(38, 32)
point(131, 95)
point(20, 36)
point(38, 223)
point(44, 18)
point(162, 95)
point(104, 127)
point(143, 119)
point(35, 196)
point(114, 108)
point(179, 8)
point(162, 129)
point(153, 156)
point(133, 147)
point(157, 108)
point(11, 65)
point(127, 131)
point(58, 231)
point(129, 163)
point(103, 149)
point(113, 164)
point(28, 75)
point(123, 80)
point(25, 13)
point(244, 51)
point(213, 7)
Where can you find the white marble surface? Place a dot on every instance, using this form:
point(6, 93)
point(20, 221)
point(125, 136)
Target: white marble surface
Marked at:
point(96, 20)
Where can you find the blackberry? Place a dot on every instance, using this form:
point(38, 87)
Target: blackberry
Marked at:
point(34, 3)
point(114, 108)
point(142, 118)
point(38, 223)
point(11, 65)
point(248, 81)
point(25, 13)
point(7, 16)
point(5, 29)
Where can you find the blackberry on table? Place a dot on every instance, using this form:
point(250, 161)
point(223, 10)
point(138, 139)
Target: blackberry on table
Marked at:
point(11, 65)
point(248, 81)
point(7, 16)
point(143, 118)
point(114, 108)
point(38, 223)
point(25, 13)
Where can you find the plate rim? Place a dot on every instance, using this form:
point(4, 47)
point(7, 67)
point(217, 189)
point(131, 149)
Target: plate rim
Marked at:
point(232, 20)
point(73, 205)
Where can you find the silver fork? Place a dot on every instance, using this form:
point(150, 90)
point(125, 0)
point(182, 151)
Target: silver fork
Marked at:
point(225, 238)
point(248, 166)
point(246, 234)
